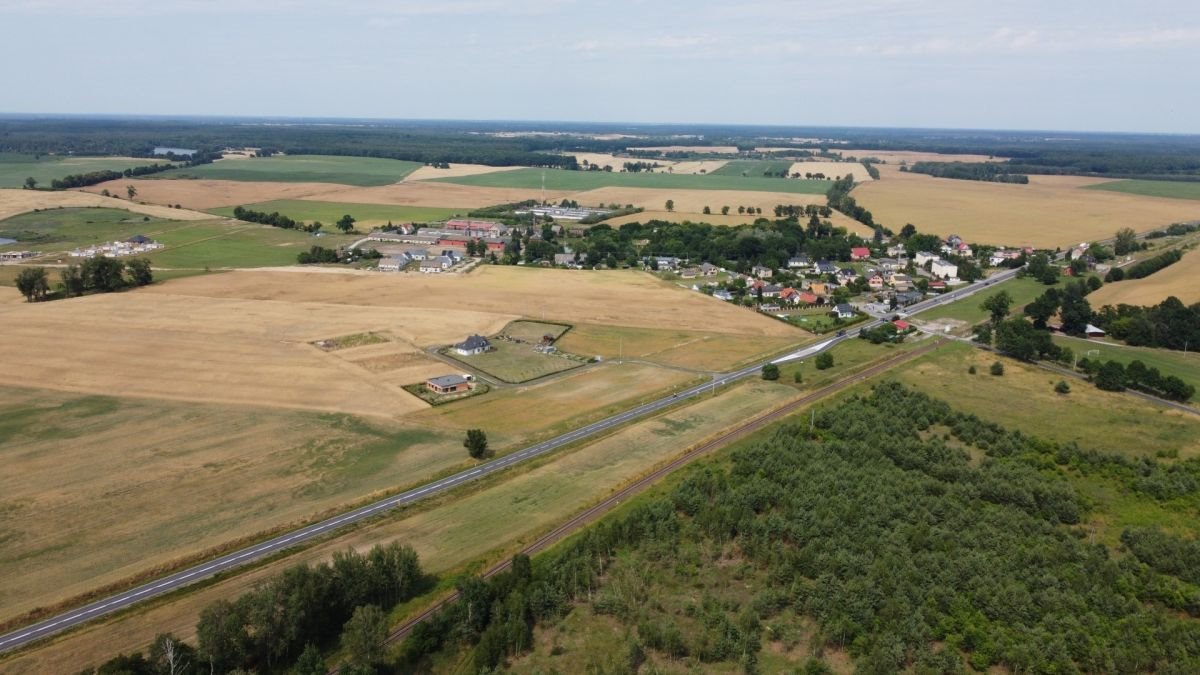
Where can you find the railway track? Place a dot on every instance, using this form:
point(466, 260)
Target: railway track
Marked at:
point(593, 513)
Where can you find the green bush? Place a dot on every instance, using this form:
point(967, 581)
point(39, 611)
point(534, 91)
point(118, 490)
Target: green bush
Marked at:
point(997, 369)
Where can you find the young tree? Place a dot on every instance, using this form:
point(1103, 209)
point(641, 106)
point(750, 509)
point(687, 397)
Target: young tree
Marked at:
point(171, 656)
point(707, 211)
point(824, 360)
point(32, 283)
point(998, 305)
point(363, 636)
point(310, 662)
point(670, 205)
point(997, 369)
point(797, 377)
point(476, 443)
point(131, 191)
point(30, 183)
point(770, 372)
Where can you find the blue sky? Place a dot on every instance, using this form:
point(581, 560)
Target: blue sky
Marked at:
point(1017, 64)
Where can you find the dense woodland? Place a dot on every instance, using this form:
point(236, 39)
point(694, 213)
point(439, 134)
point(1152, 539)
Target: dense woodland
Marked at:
point(995, 172)
point(879, 527)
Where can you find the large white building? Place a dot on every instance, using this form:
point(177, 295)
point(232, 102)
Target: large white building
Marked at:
point(943, 269)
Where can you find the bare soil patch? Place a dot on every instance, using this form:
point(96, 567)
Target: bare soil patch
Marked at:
point(212, 194)
point(14, 202)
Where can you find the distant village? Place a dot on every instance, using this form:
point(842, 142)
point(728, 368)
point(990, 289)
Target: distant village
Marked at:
point(135, 245)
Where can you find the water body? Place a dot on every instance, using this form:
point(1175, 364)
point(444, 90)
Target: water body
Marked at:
point(177, 151)
point(6, 242)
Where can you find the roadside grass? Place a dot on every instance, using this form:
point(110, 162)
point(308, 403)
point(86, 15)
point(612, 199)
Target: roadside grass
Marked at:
point(1024, 398)
point(970, 310)
point(1184, 366)
point(561, 179)
point(329, 213)
point(15, 168)
point(54, 230)
point(516, 363)
point(358, 171)
point(1151, 188)
point(753, 168)
point(677, 348)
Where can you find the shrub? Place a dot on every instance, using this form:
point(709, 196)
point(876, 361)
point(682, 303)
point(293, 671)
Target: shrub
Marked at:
point(824, 360)
point(997, 369)
point(971, 370)
point(1062, 387)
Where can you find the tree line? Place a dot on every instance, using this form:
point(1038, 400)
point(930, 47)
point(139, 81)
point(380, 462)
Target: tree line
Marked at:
point(99, 274)
point(275, 219)
point(94, 177)
point(1169, 325)
point(1145, 267)
point(994, 172)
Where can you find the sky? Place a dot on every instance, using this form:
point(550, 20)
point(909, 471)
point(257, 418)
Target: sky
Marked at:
point(1001, 64)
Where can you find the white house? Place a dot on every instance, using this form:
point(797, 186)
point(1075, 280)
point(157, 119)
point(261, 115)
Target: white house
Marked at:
point(923, 257)
point(475, 344)
point(393, 264)
point(843, 311)
point(943, 269)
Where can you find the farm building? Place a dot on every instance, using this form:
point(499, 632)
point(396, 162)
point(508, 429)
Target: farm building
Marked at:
point(380, 235)
point(448, 384)
point(17, 255)
point(436, 265)
point(562, 212)
point(393, 264)
point(475, 344)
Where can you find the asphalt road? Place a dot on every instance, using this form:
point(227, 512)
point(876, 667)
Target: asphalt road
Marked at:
point(241, 557)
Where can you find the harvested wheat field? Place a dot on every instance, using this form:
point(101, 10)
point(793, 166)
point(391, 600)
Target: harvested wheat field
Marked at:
point(1178, 280)
point(1040, 214)
point(833, 170)
point(429, 193)
point(694, 201)
point(838, 219)
point(714, 149)
point(14, 202)
point(602, 159)
point(429, 172)
point(211, 194)
point(698, 166)
point(615, 297)
point(155, 343)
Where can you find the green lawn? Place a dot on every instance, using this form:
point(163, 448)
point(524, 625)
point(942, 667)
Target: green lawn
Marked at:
point(1152, 188)
point(1023, 292)
point(1184, 366)
point(15, 168)
point(65, 229)
point(330, 212)
point(753, 168)
point(512, 362)
point(361, 171)
point(218, 245)
point(561, 179)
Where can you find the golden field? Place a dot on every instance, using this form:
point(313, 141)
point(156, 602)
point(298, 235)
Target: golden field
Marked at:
point(694, 201)
point(832, 169)
point(1179, 280)
point(14, 202)
point(211, 194)
point(455, 170)
point(429, 193)
point(838, 218)
point(1043, 214)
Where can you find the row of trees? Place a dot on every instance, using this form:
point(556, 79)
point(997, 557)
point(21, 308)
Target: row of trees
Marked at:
point(900, 549)
point(1145, 268)
point(995, 172)
point(100, 274)
point(283, 623)
point(276, 219)
point(1115, 376)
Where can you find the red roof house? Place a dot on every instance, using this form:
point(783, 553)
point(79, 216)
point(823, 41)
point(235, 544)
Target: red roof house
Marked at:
point(860, 253)
point(901, 324)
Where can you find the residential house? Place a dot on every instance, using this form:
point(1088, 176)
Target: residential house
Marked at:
point(826, 267)
point(417, 254)
point(798, 262)
point(900, 282)
point(454, 256)
point(448, 384)
point(943, 269)
point(937, 285)
point(708, 270)
point(393, 264)
point(860, 253)
point(843, 311)
point(762, 272)
point(790, 295)
point(890, 264)
point(475, 344)
point(896, 251)
point(875, 282)
point(847, 275)
point(436, 265)
point(18, 255)
point(923, 257)
point(689, 272)
point(901, 325)
point(1077, 252)
point(907, 298)
point(771, 291)
point(808, 298)
point(567, 259)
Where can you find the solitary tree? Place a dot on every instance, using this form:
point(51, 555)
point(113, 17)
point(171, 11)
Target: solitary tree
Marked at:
point(1126, 241)
point(997, 369)
point(30, 183)
point(346, 223)
point(824, 360)
point(770, 372)
point(998, 305)
point(670, 205)
point(32, 283)
point(131, 191)
point(724, 210)
point(476, 443)
point(1062, 387)
point(707, 211)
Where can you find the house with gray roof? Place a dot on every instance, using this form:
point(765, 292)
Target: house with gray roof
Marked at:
point(475, 344)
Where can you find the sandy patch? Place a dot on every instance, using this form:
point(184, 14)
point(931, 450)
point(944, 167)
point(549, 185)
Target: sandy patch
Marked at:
point(833, 170)
point(455, 170)
point(14, 202)
point(211, 194)
point(428, 193)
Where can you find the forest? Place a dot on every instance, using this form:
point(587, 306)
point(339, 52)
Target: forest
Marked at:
point(882, 527)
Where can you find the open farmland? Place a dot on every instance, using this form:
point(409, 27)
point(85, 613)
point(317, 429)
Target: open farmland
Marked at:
point(1179, 280)
point(15, 168)
point(13, 202)
point(1154, 188)
point(674, 348)
point(832, 170)
point(558, 179)
point(702, 149)
point(65, 229)
point(694, 201)
point(437, 194)
point(232, 244)
point(1038, 214)
point(450, 534)
point(911, 156)
point(210, 194)
point(361, 171)
point(455, 170)
point(365, 215)
point(752, 167)
point(699, 166)
point(514, 363)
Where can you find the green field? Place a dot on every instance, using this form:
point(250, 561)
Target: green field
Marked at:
point(561, 179)
point(330, 212)
point(1152, 188)
point(64, 229)
point(753, 168)
point(1184, 366)
point(360, 171)
point(220, 245)
point(514, 363)
point(1023, 292)
point(14, 168)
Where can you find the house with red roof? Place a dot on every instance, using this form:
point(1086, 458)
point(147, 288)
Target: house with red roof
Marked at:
point(860, 253)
